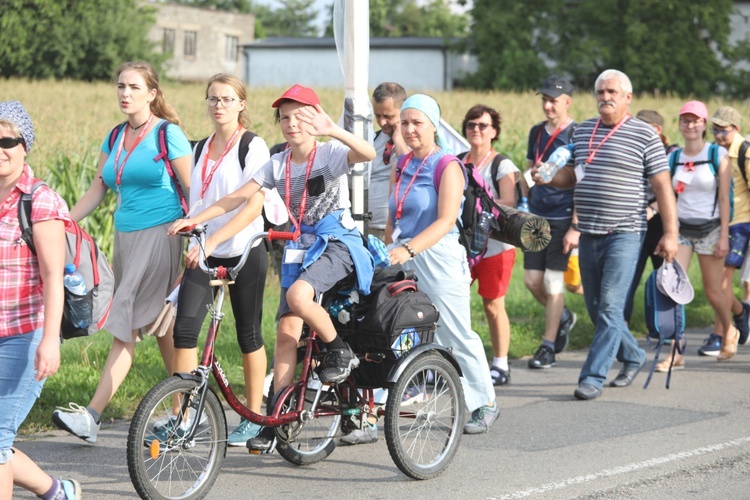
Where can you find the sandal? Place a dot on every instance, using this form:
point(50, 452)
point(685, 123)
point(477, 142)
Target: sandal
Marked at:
point(499, 376)
point(663, 367)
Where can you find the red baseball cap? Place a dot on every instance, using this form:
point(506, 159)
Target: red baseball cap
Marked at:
point(300, 94)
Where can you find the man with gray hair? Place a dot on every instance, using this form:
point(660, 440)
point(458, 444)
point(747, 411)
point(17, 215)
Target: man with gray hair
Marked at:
point(387, 99)
point(613, 159)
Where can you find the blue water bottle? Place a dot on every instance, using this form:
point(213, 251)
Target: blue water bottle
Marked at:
point(77, 307)
point(523, 205)
point(481, 234)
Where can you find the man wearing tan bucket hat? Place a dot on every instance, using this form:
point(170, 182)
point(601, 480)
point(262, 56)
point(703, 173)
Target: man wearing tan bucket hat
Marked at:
point(725, 126)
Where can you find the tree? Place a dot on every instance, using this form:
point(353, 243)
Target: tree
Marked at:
point(292, 18)
point(678, 46)
point(233, 5)
point(73, 39)
point(508, 38)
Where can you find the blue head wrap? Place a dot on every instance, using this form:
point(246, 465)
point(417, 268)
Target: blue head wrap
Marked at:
point(14, 112)
point(431, 110)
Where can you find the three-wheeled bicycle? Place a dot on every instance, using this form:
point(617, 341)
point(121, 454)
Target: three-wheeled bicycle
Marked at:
point(422, 433)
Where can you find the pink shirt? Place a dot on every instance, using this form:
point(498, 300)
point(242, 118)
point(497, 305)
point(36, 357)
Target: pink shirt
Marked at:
point(21, 304)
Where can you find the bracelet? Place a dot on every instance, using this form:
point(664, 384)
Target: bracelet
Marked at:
point(574, 227)
point(412, 253)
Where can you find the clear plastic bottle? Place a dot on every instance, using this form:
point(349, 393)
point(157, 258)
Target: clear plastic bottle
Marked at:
point(339, 308)
point(523, 205)
point(78, 305)
point(557, 160)
point(481, 234)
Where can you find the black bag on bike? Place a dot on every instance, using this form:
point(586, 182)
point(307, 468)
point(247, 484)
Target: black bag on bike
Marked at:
point(389, 322)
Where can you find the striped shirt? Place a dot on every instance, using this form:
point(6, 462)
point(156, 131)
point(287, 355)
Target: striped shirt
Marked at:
point(21, 301)
point(611, 196)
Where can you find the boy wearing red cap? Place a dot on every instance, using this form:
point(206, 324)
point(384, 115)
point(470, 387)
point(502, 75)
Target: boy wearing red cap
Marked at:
point(310, 177)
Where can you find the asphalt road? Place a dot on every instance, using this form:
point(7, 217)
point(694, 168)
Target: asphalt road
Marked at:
point(691, 441)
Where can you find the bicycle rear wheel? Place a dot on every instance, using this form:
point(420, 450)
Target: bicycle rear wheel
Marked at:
point(424, 416)
point(313, 438)
point(162, 463)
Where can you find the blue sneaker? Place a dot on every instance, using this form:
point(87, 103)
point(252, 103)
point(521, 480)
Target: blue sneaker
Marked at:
point(163, 433)
point(71, 488)
point(711, 346)
point(246, 430)
point(741, 323)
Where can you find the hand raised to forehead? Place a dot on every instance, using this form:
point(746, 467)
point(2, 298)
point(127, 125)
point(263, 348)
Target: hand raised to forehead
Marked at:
point(319, 123)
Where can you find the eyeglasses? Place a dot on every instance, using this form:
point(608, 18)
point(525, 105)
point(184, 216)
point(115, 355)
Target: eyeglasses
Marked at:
point(721, 131)
point(227, 102)
point(10, 142)
point(686, 122)
point(473, 125)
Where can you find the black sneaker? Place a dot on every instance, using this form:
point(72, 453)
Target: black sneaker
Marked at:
point(263, 441)
point(544, 358)
point(711, 346)
point(338, 364)
point(741, 323)
point(567, 322)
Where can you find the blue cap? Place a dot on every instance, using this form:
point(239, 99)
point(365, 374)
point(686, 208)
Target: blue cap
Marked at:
point(70, 268)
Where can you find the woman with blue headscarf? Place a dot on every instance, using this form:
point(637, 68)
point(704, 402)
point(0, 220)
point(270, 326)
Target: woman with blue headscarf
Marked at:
point(424, 205)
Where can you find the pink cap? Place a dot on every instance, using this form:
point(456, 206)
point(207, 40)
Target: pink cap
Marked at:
point(300, 94)
point(696, 108)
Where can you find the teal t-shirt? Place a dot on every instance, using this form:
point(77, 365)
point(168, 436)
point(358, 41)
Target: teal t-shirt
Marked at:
point(147, 194)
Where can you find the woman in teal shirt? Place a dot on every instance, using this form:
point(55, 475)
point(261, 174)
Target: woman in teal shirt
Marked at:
point(146, 261)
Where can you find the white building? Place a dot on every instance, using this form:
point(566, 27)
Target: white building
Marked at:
point(417, 63)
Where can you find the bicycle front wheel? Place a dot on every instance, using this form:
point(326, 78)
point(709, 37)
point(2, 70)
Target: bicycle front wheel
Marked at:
point(312, 438)
point(163, 464)
point(424, 416)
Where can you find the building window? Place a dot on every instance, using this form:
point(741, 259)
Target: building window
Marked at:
point(191, 40)
point(231, 52)
point(167, 41)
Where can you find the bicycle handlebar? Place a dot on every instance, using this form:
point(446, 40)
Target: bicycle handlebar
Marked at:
point(281, 235)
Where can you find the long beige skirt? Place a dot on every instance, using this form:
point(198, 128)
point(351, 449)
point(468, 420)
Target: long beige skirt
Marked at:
point(146, 264)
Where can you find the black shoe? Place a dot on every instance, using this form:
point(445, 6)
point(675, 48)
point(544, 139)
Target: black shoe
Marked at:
point(544, 358)
point(587, 391)
point(626, 375)
point(741, 323)
point(499, 376)
point(567, 322)
point(338, 364)
point(261, 442)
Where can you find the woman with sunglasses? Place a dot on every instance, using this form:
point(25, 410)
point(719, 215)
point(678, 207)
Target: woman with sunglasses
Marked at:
point(146, 260)
point(31, 304)
point(481, 127)
point(701, 179)
point(217, 172)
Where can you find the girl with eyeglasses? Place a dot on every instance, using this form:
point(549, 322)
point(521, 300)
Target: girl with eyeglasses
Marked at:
point(701, 178)
point(223, 162)
point(146, 260)
point(481, 127)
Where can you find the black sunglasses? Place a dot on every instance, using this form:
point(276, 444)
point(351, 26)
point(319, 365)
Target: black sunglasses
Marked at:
point(473, 125)
point(10, 142)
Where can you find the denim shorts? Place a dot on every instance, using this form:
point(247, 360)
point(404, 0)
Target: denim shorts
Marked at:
point(702, 246)
point(739, 235)
point(19, 389)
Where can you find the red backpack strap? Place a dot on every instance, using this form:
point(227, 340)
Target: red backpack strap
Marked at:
point(113, 135)
point(164, 155)
point(401, 286)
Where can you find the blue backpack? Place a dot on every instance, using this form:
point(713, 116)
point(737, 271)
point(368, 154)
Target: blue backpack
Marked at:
point(713, 161)
point(665, 320)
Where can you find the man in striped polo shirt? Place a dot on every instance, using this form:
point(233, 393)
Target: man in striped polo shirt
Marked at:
point(615, 155)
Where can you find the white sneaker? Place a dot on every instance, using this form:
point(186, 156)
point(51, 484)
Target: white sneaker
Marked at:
point(76, 420)
point(160, 424)
point(367, 434)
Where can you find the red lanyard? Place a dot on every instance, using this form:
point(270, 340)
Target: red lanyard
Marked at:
point(400, 204)
point(482, 163)
point(288, 188)
point(592, 151)
point(207, 180)
point(537, 155)
point(118, 172)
